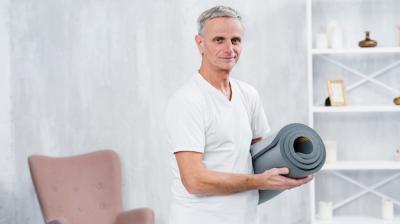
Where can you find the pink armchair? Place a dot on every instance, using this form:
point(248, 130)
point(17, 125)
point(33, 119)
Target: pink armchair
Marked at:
point(83, 189)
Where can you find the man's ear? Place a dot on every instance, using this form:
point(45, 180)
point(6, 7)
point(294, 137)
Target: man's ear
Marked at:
point(200, 43)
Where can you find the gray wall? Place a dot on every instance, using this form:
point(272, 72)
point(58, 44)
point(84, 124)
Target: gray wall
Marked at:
point(7, 171)
point(83, 75)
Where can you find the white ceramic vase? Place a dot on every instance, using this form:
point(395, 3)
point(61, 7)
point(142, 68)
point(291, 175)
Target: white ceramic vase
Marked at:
point(335, 35)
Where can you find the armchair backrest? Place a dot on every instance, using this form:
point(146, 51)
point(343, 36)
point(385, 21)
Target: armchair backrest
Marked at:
point(82, 189)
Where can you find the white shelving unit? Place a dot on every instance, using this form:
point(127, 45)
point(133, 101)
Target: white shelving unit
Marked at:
point(355, 51)
point(357, 220)
point(355, 109)
point(362, 165)
point(316, 108)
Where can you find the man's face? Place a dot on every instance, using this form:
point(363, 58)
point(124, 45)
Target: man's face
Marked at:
point(221, 43)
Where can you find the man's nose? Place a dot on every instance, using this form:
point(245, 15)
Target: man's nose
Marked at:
point(228, 47)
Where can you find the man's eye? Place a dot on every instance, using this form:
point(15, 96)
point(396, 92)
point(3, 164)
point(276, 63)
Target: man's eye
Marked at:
point(235, 41)
point(219, 40)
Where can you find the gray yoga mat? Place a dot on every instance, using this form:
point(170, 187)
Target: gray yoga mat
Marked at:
point(296, 146)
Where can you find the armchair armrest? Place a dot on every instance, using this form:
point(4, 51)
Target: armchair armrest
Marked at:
point(57, 221)
point(136, 216)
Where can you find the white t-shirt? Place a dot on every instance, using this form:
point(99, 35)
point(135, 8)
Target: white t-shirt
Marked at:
point(200, 118)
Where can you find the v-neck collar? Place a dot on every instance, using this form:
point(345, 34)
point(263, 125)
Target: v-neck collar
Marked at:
point(215, 91)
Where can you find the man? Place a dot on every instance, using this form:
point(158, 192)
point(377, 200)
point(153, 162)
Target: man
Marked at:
point(211, 123)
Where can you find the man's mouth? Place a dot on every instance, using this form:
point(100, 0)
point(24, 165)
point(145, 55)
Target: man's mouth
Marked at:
point(228, 58)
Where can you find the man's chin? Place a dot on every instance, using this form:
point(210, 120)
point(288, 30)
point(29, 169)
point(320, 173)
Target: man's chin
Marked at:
point(227, 67)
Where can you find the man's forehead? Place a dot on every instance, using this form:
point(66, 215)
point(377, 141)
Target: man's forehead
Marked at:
point(224, 26)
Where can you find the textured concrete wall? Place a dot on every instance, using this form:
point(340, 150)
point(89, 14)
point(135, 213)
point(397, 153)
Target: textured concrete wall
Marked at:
point(83, 75)
point(97, 74)
point(7, 162)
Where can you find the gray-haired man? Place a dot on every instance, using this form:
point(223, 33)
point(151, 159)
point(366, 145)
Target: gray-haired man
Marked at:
point(212, 121)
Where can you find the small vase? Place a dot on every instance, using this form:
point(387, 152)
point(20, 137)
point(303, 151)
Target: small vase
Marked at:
point(396, 100)
point(367, 42)
point(328, 102)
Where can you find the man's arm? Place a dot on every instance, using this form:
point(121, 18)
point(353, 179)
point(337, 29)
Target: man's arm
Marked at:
point(197, 179)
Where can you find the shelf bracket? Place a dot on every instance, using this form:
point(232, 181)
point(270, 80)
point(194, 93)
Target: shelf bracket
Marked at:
point(366, 190)
point(365, 78)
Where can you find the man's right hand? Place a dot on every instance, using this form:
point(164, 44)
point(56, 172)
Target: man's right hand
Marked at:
point(273, 179)
point(197, 179)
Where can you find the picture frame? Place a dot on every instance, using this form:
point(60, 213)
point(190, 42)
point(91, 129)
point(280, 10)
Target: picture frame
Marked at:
point(337, 93)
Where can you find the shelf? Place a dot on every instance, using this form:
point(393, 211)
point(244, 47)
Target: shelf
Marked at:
point(355, 51)
point(357, 220)
point(363, 165)
point(350, 109)
point(353, 61)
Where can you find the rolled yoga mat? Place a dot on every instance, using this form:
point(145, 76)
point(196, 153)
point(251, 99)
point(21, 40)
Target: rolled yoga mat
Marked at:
point(296, 146)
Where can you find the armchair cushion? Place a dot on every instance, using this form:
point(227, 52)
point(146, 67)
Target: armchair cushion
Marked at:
point(136, 216)
point(57, 221)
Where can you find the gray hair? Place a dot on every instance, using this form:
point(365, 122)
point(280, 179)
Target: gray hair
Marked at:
point(214, 12)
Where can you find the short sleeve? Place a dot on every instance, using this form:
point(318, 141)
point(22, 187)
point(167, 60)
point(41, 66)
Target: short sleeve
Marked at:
point(185, 125)
point(259, 122)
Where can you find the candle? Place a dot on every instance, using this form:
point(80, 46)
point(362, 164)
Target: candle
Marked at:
point(397, 157)
point(398, 30)
point(325, 210)
point(331, 151)
point(321, 41)
point(336, 39)
point(387, 210)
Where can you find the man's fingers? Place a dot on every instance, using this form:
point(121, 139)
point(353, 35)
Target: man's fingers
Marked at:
point(304, 180)
point(308, 179)
point(290, 182)
point(282, 171)
point(278, 178)
point(297, 182)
